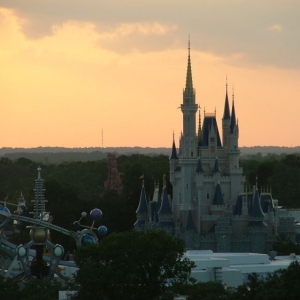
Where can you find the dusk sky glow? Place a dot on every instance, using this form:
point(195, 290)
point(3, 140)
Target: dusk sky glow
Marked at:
point(72, 68)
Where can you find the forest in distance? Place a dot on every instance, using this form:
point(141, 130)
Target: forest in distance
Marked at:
point(72, 187)
point(61, 154)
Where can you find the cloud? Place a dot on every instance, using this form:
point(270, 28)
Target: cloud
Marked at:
point(222, 28)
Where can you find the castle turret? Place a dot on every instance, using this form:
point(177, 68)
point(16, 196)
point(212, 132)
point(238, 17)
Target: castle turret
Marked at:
point(226, 121)
point(142, 211)
point(173, 161)
point(165, 213)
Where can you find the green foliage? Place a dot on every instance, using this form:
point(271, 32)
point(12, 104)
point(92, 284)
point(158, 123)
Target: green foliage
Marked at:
point(132, 264)
point(207, 291)
point(280, 285)
point(11, 289)
point(284, 246)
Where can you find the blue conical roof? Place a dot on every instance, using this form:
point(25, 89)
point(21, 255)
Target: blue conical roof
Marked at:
point(174, 151)
point(142, 208)
point(218, 198)
point(233, 118)
point(199, 167)
point(226, 115)
point(216, 167)
point(189, 222)
point(165, 206)
point(257, 211)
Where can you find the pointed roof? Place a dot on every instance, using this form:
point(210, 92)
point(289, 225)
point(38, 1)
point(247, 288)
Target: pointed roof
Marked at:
point(189, 222)
point(266, 202)
point(199, 167)
point(216, 166)
point(142, 208)
point(218, 198)
point(208, 122)
point(174, 151)
point(226, 115)
point(165, 206)
point(257, 211)
point(189, 90)
point(233, 118)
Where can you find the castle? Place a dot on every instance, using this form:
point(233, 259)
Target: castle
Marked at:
point(211, 208)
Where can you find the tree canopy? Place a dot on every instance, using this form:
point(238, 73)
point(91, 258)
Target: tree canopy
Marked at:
point(131, 265)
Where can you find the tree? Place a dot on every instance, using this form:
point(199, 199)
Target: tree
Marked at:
point(131, 265)
point(207, 291)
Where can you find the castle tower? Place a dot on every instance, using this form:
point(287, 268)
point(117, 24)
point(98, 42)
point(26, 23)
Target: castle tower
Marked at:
point(188, 142)
point(226, 121)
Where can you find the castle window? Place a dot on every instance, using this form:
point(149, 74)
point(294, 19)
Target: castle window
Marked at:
point(212, 139)
point(212, 149)
point(207, 196)
point(192, 154)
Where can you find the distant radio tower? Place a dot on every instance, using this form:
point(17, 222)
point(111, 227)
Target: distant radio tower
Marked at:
point(102, 137)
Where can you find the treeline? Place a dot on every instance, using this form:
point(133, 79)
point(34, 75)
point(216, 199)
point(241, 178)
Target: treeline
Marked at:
point(76, 186)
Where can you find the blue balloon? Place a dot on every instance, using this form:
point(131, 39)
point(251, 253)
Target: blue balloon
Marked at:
point(96, 214)
point(87, 239)
point(102, 230)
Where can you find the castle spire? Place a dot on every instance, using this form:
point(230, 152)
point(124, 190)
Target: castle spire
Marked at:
point(226, 115)
point(189, 80)
point(233, 119)
point(174, 152)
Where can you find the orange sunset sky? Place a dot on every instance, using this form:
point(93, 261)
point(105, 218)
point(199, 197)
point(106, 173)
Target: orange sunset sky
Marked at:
point(70, 68)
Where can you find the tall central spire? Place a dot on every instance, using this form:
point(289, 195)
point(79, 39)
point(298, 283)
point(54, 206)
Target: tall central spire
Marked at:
point(189, 80)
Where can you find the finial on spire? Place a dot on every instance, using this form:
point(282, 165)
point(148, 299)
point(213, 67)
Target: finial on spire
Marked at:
point(232, 93)
point(226, 83)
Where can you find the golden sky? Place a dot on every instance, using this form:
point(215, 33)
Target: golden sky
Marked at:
point(70, 69)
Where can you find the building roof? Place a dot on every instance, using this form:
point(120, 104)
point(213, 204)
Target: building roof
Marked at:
point(218, 198)
point(174, 151)
point(233, 118)
point(165, 206)
point(257, 211)
point(199, 167)
point(209, 122)
point(142, 208)
point(189, 222)
point(226, 115)
point(216, 166)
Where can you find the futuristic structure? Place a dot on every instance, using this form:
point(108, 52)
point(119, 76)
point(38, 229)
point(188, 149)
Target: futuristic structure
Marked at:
point(211, 206)
point(29, 261)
